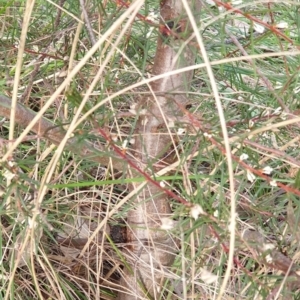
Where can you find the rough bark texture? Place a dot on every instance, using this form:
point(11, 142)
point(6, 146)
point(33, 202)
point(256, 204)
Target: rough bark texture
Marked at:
point(152, 249)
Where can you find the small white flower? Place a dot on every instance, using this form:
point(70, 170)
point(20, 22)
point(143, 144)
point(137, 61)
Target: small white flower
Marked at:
point(278, 85)
point(283, 116)
point(207, 135)
point(236, 2)
point(269, 258)
point(251, 124)
point(180, 131)
point(244, 156)
point(268, 246)
point(258, 28)
point(282, 25)
point(152, 16)
point(114, 137)
point(267, 170)
point(267, 19)
point(196, 210)
point(296, 89)
point(216, 213)
point(132, 141)
point(132, 109)
point(9, 175)
point(124, 144)
point(32, 224)
point(231, 227)
point(250, 176)
point(167, 224)
point(162, 184)
point(210, 2)
point(277, 111)
point(273, 183)
point(207, 276)
point(11, 163)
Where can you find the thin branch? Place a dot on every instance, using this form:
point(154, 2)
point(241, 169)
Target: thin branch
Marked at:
point(88, 23)
point(49, 130)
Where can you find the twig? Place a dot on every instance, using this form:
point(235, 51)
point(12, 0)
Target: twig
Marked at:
point(87, 23)
point(47, 129)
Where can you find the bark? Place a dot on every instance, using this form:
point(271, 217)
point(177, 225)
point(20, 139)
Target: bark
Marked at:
point(54, 133)
point(152, 249)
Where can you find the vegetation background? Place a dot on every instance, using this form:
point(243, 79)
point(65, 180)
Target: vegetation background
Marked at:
point(228, 173)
